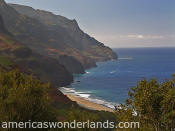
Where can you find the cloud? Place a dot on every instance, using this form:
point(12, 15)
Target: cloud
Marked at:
point(136, 40)
point(139, 36)
point(133, 37)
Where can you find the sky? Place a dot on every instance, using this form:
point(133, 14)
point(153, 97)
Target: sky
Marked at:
point(118, 23)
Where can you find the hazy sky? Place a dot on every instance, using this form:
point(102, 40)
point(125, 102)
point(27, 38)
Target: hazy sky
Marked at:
point(118, 23)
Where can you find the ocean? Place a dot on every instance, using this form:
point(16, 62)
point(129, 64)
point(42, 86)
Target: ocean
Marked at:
point(108, 83)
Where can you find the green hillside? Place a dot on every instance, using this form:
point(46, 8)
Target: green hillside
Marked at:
point(55, 36)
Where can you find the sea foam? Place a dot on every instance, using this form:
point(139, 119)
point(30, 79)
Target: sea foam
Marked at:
point(87, 96)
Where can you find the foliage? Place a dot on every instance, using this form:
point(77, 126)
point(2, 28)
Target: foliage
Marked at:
point(24, 98)
point(5, 62)
point(84, 115)
point(154, 103)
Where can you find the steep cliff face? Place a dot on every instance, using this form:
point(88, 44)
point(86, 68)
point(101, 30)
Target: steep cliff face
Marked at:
point(35, 35)
point(2, 27)
point(69, 63)
point(13, 53)
point(74, 42)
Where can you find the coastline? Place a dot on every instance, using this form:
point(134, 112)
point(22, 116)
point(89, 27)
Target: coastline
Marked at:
point(88, 104)
point(80, 97)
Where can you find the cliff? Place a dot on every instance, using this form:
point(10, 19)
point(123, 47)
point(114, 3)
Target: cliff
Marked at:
point(36, 48)
point(15, 54)
point(54, 35)
point(2, 29)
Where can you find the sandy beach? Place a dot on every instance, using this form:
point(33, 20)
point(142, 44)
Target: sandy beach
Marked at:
point(88, 104)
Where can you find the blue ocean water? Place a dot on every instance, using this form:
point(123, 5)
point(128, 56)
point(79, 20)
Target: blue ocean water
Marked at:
point(110, 81)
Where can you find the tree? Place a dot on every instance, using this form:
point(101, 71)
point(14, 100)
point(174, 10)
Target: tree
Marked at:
point(24, 98)
point(154, 103)
point(168, 105)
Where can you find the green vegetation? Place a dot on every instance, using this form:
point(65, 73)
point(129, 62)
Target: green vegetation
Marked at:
point(8, 40)
point(5, 62)
point(154, 103)
point(53, 35)
point(23, 58)
point(24, 98)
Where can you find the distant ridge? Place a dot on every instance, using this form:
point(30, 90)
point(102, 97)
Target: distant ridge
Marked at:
point(77, 43)
point(54, 36)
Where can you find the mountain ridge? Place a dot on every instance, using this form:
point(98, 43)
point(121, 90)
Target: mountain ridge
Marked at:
point(16, 55)
point(78, 44)
point(28, 31)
